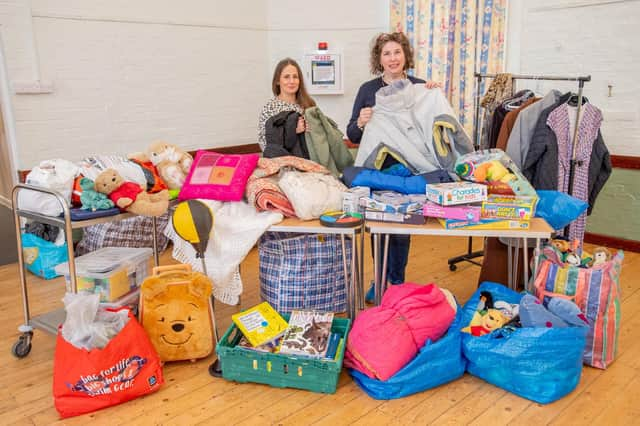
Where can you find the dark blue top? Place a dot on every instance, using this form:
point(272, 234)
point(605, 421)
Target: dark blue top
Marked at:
point(365, 98)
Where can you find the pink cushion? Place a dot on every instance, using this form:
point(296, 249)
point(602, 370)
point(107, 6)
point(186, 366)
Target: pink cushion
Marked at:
point(216, 176)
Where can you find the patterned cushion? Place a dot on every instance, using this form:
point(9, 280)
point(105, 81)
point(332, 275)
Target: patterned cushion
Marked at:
point(216, 176)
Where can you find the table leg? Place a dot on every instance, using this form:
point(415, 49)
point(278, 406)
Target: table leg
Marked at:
point(376, 262)
point(381, 286)
point(525, 253)
point(156, 255)
point(348, 282)
point(355, 279)
point(509, 267)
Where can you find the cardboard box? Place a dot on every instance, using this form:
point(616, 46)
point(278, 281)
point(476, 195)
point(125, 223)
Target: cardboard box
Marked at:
point(512, 207)
point(408, 218)
point(453, 193)
point(461, 212)
point(485, 224)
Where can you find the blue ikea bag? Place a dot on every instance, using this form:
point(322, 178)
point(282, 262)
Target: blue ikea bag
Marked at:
point(42, 256)
point(437, 363)
point(540, 364)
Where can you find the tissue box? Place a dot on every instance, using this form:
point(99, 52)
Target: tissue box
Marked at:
point(408, 218)
point(452, 193)
point(351, 198)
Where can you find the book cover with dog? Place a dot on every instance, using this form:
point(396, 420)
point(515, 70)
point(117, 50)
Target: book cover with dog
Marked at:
point(308, 334)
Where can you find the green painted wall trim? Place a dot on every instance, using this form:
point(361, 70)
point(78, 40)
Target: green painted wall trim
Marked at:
point(617, 209)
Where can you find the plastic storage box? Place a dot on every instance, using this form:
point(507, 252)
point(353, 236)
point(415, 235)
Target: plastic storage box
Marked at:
point(111, 271)
point(244, 365)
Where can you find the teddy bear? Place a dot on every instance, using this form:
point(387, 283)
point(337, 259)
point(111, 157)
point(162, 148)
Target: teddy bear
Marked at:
point(131, 196)
point(172, 163)
point(92, 199)
point(601, 255)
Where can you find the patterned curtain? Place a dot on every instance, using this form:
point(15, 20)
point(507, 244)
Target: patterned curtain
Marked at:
point(452, 40)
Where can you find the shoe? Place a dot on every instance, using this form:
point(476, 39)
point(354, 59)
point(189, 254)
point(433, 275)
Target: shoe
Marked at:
point(370, 297)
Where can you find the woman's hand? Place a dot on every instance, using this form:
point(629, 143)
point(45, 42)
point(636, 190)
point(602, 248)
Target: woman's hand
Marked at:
point(364, 117)
point(433, 84)
point(302, 125)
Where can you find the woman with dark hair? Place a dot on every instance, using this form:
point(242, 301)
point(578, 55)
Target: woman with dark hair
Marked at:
point(390, 57)
point(289, 94)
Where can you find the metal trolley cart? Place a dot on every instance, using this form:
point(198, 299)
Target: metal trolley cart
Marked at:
point(51, 320)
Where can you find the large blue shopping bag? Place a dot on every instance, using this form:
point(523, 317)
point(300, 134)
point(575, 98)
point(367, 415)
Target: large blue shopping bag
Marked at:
point(437, 363)
point(538, 363)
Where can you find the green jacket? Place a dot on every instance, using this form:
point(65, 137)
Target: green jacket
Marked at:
point(325, 142)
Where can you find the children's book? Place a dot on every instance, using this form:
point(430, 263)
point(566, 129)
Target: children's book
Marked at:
point(260, 324)
point(308, 334)
point(270, 347)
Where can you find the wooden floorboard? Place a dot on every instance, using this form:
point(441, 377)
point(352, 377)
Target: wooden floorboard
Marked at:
point(191, 396)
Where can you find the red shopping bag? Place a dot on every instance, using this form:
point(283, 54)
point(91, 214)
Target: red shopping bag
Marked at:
point(85, 381)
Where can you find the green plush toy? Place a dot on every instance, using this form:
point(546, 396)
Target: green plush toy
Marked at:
point(91, 199)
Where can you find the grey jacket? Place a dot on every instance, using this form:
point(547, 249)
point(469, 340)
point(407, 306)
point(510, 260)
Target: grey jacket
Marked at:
point(402, 122)
point(524, 126)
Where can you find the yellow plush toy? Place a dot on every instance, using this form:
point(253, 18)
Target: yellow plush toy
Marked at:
point(175, 311)
point(484, 322)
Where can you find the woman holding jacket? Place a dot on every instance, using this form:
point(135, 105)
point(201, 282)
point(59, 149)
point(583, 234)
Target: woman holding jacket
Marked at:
point(390, 57)
point(289, 94)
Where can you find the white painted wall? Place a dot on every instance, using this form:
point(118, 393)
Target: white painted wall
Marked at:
point(126, 73)
point(582, 37)
point(195, 72)
point(347, 26)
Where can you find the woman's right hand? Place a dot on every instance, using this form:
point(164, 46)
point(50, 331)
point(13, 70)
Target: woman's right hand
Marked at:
point(302, 126)
point(364, 117)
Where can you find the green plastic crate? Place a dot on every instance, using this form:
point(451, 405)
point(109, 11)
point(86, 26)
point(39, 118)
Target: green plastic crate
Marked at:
point(282, 371)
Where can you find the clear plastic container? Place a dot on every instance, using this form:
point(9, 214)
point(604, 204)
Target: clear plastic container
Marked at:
point(111, 271)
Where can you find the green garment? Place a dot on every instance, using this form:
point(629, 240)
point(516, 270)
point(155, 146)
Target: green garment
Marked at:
point(325, 142)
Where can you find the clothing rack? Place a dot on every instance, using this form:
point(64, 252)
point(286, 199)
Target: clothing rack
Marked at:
point(470, 255)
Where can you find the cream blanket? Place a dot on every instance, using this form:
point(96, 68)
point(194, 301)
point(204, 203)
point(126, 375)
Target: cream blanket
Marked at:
point(236, 228)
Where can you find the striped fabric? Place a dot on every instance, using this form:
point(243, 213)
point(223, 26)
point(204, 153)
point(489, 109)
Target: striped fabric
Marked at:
point(596, 291)
point(302, 271)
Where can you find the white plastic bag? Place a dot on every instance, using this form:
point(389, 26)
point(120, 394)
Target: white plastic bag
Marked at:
point(88, 327)
point(57, 175)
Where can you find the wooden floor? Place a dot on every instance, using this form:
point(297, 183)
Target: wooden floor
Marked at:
point(191, 396)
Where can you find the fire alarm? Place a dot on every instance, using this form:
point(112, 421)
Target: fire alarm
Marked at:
point(323, 45)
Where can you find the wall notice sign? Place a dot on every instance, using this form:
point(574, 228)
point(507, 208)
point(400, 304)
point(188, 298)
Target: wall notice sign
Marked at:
point(323, 73)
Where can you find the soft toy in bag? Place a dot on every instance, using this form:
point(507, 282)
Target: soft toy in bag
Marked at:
point(176, 312)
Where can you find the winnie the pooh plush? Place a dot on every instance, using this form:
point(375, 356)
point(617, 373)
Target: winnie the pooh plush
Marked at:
point(175, 311)
point(484, 322)
point(131, 196)
point(172, 163)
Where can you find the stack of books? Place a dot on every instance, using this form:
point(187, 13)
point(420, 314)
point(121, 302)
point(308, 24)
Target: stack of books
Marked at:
point(307, 333)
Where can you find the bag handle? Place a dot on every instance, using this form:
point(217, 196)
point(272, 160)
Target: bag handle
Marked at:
point(180, 267)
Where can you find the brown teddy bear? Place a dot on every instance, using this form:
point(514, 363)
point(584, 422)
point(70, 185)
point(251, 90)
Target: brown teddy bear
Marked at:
point(172, 163)
point(131, 196)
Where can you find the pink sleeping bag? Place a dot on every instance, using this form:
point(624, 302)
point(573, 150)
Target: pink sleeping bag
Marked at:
point(385, 338)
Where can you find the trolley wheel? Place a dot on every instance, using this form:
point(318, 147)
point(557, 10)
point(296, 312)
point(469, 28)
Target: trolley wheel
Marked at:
point(452, 267)
point(22, 347)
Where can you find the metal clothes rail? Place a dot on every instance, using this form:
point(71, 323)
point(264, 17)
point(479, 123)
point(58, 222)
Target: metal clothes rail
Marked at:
point(470, 255)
